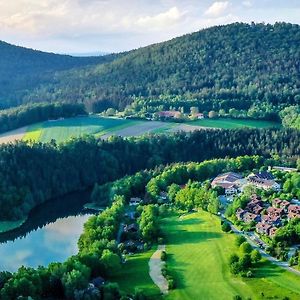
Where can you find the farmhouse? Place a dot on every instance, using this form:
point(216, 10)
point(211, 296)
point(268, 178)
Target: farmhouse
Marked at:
point(171, 114)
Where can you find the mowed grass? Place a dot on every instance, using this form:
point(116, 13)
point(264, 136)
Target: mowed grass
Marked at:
point(234, 123)
point(135, 274)
point(62, 130)
point(198, 253)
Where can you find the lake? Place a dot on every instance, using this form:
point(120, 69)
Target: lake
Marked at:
point(50, 234)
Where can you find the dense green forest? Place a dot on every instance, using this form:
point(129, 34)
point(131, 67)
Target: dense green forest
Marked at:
point(223, 67)
point(33, 173)
point(239, 66)
point(27, 114)
point(99, 254)
point(22, 70)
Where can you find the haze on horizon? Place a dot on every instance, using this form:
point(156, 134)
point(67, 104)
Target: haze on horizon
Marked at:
point(85, 26)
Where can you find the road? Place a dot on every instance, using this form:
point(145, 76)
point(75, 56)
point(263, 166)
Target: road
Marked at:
point(263, 253)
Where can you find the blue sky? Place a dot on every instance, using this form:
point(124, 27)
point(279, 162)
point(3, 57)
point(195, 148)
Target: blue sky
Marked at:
point(79, 26)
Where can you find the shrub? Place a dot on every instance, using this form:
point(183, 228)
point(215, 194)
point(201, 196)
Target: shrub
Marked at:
point(163, 256)
point(240, 239)
point(226, 227)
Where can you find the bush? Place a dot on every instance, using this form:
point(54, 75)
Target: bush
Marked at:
point(226, 227)
point(171, 283)
point(240, 239)
point(246, 248)
point(163, 256)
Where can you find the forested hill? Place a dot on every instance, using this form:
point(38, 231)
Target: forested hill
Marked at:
point(22, 69)
point(228, 66)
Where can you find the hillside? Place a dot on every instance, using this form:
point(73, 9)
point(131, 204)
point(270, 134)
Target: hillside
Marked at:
point(233, 66)
point(28, 68)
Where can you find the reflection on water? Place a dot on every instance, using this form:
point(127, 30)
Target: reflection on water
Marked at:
point(53, 243)
point(50, 234)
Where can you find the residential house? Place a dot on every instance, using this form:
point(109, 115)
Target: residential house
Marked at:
point(265, 184)
point(199, 116)
point(170, 114)
point(285, 169)
point(135, 201)
point(293, 211)
point(263, 228)
point(240, 214)
point(250, 217)
point(271, 220)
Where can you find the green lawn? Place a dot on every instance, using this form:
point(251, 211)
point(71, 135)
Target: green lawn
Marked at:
point(198, 253)
point(234, 123)
point(62, 130)
point(135, 274)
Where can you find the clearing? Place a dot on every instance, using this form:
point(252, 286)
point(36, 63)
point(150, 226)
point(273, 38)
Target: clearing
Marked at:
point(234, 123)
point(198, 253)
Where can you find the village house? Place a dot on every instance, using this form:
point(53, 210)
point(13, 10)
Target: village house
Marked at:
point(250, 217)
point(266, 184)
point(199, 116)
point(263, 228)
point(281, 204)
point(135, 201)
point(170, 114)
point(293, 211)
point(271, 220)
point(132, 228)
point(240, 214)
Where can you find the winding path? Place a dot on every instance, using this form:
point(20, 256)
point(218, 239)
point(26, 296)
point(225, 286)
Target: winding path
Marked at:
point(155, 266)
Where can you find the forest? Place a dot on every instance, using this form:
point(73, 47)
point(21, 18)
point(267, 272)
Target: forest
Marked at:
point(27, 114)
point(31, 174)
point(238, 66)
point(29, 68)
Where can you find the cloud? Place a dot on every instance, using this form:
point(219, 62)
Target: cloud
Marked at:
point(247, 3)
point(217, 9)
point(161, 20)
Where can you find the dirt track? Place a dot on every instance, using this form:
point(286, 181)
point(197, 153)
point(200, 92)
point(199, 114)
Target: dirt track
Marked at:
point(12, 136)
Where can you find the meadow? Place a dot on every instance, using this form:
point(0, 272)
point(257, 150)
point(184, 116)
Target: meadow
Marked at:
point(62, 130)
point(234, 123)
point(198, 253)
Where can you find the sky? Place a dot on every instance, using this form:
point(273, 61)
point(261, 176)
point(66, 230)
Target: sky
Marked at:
point(88, 26)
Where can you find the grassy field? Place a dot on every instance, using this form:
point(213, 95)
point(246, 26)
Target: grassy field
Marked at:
point(62, 130)
point(234, 123)
point(198, 255)
point(135, 273)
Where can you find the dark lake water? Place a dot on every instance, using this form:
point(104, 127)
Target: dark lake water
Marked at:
point(50, 234)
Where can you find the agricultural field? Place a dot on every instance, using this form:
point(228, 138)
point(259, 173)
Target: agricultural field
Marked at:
point(198, 253)
point(234, 123)
point(62, 130)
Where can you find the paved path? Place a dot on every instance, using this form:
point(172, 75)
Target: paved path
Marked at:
point(263, 253)
point(155, 266)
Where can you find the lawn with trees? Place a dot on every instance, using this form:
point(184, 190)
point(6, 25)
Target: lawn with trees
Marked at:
point(198, 253)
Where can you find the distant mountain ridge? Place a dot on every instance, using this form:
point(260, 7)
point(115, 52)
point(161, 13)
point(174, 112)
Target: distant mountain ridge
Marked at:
point(231, 66)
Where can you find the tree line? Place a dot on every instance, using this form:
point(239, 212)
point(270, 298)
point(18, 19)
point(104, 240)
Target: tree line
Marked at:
point(27, 114)
point(31, 174)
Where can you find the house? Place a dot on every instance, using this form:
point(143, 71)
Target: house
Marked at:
point(293, 211)
point(264, 175)
point(273, 211)
point(272, 232)
point(135, 201)
point(263, 228)
point(132, 228)
point(240, 213)
point(271, 220)
point(250, 217)
point(228, 182)
point(285, 169)
point(170, 114)
point(257, 209)
point(281, 204)
point(266, 184)
point(199, 116)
